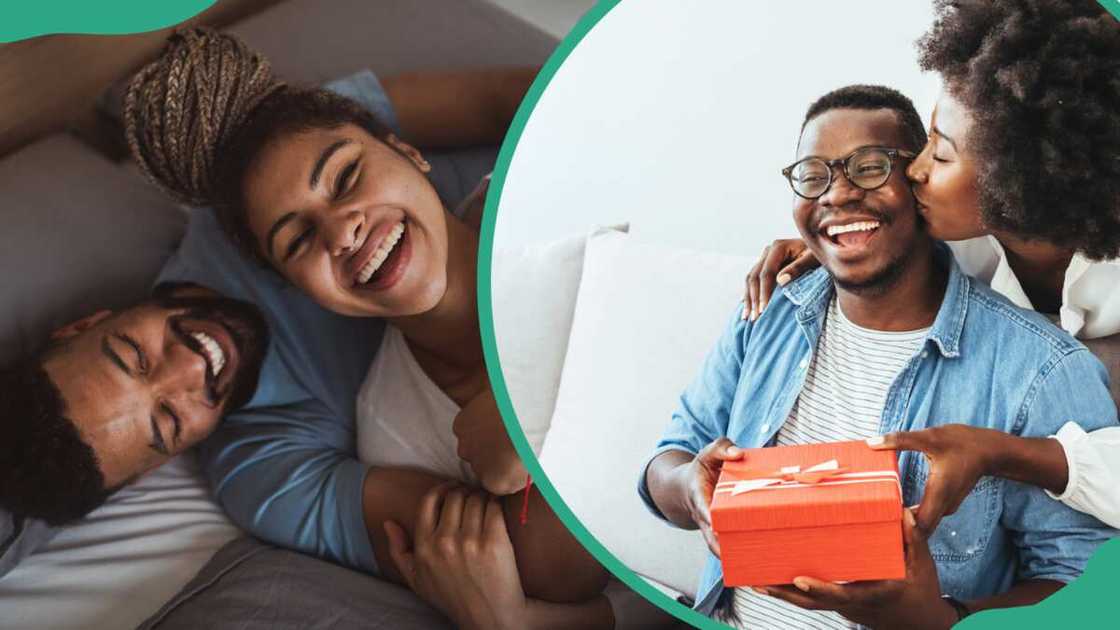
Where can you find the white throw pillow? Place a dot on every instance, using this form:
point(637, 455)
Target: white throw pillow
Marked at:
point(534, 298)
point(645, 318)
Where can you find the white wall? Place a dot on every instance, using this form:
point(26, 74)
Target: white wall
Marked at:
point(677, 115)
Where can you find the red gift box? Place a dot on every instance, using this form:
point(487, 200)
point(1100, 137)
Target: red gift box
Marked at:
point(829, 511)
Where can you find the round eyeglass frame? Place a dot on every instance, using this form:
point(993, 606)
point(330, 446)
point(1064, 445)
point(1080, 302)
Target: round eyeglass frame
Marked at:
point(892, 155)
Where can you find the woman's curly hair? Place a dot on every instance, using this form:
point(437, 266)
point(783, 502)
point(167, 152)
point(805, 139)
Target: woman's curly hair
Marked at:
point(1041, 79)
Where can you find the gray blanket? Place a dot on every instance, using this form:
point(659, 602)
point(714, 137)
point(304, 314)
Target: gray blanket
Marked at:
point(249, 585)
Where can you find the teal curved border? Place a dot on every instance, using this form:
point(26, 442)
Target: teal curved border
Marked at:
point(1112, 6)
point(1072, 604)
point(31, 18)
point(489, 342)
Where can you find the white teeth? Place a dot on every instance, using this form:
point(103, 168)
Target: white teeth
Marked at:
point(216, 358)
point(383, 249)
point(862, 226)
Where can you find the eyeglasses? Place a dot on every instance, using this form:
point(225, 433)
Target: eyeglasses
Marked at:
point(867, 168)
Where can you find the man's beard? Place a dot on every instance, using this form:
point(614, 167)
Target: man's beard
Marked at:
point(882, 281)
point(246, 326)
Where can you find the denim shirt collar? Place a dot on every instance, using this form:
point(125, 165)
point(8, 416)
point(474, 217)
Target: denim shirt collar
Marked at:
point(812, 292)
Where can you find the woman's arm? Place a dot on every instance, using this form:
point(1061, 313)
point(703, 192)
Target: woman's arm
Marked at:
point(461, 559)
point(457, 108)
point(1093, 471)
point(544, 548)
point(484, 443)
point(1081, 469)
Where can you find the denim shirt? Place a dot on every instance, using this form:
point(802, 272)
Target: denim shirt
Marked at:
point(984, 362)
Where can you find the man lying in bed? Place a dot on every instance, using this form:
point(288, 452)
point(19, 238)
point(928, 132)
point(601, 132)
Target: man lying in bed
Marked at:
point(115, 395)
point(285, 466)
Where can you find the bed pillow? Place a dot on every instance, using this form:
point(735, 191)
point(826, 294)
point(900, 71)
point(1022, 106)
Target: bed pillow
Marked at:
point(115, 567)
point(79, 235)
point(645, 317)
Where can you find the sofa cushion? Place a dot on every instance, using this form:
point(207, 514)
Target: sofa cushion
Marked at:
point(534, 298)
point(645, 317)
point(1107, 350)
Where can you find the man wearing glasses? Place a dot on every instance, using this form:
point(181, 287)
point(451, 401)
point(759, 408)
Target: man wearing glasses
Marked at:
point(888, 335)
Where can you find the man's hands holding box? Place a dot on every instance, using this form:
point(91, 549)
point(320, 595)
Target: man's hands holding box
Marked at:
point(914, 602)
point(776, 512)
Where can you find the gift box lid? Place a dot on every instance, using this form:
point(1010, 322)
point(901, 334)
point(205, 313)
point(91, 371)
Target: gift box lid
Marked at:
point(812, 485)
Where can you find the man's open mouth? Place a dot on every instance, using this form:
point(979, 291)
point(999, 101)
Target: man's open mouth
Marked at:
point(216, 345)
point(215, 358)
point(854, 234)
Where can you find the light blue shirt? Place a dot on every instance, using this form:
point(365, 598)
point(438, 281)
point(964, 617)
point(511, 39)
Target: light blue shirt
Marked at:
point(285, 467)
point(984, 362)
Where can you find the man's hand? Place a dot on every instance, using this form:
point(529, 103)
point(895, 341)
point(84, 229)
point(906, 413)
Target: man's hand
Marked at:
point(462, 560)
point(485, 445)
point(781, 262)
point(701, 477)
point(913, 603)
point(959, 455)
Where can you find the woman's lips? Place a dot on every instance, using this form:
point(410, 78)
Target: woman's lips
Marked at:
point(394, 265)
point(368, 250)
point(381, 253)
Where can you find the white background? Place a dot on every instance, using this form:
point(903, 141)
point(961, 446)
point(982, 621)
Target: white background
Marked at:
point(677, 116)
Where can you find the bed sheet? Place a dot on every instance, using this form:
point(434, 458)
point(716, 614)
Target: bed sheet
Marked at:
point(116, 567)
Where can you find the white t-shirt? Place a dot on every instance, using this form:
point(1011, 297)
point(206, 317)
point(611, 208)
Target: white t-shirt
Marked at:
point(845, 390)
point(404, 419)
point(1090, 309)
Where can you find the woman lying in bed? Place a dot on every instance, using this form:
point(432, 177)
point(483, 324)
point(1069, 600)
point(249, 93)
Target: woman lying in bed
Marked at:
point(312, 185)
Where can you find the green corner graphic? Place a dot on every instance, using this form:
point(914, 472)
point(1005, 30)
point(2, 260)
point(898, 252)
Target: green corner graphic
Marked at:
point(1084, 603)
point(1112, 6)
point(116, 17)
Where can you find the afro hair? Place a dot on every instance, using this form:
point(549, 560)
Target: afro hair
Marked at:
point(874, 97)
point(1041, 79)
point(46, 470)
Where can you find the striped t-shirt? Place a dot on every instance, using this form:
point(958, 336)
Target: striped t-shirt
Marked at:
point(845, 390)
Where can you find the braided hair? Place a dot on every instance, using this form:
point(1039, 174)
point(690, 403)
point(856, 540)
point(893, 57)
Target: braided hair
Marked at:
point(1041, 79)
point(196, 117)
point(182, 107)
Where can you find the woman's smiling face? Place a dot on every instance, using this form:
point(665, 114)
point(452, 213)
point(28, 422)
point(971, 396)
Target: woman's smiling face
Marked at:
point(944, 175)
point(350, 220)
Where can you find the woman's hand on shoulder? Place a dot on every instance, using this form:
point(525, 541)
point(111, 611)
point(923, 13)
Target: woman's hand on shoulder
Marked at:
point(781, 262)
point(486, 446)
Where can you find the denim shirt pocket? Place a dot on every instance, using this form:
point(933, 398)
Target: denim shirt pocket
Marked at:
point(965, 534)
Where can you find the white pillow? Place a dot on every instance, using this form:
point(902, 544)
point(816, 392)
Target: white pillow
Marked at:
point(534, 297)
point(645, 318)
point(117, 566)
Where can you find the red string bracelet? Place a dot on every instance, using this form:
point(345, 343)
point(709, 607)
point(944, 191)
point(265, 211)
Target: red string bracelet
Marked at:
point(525, 503)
